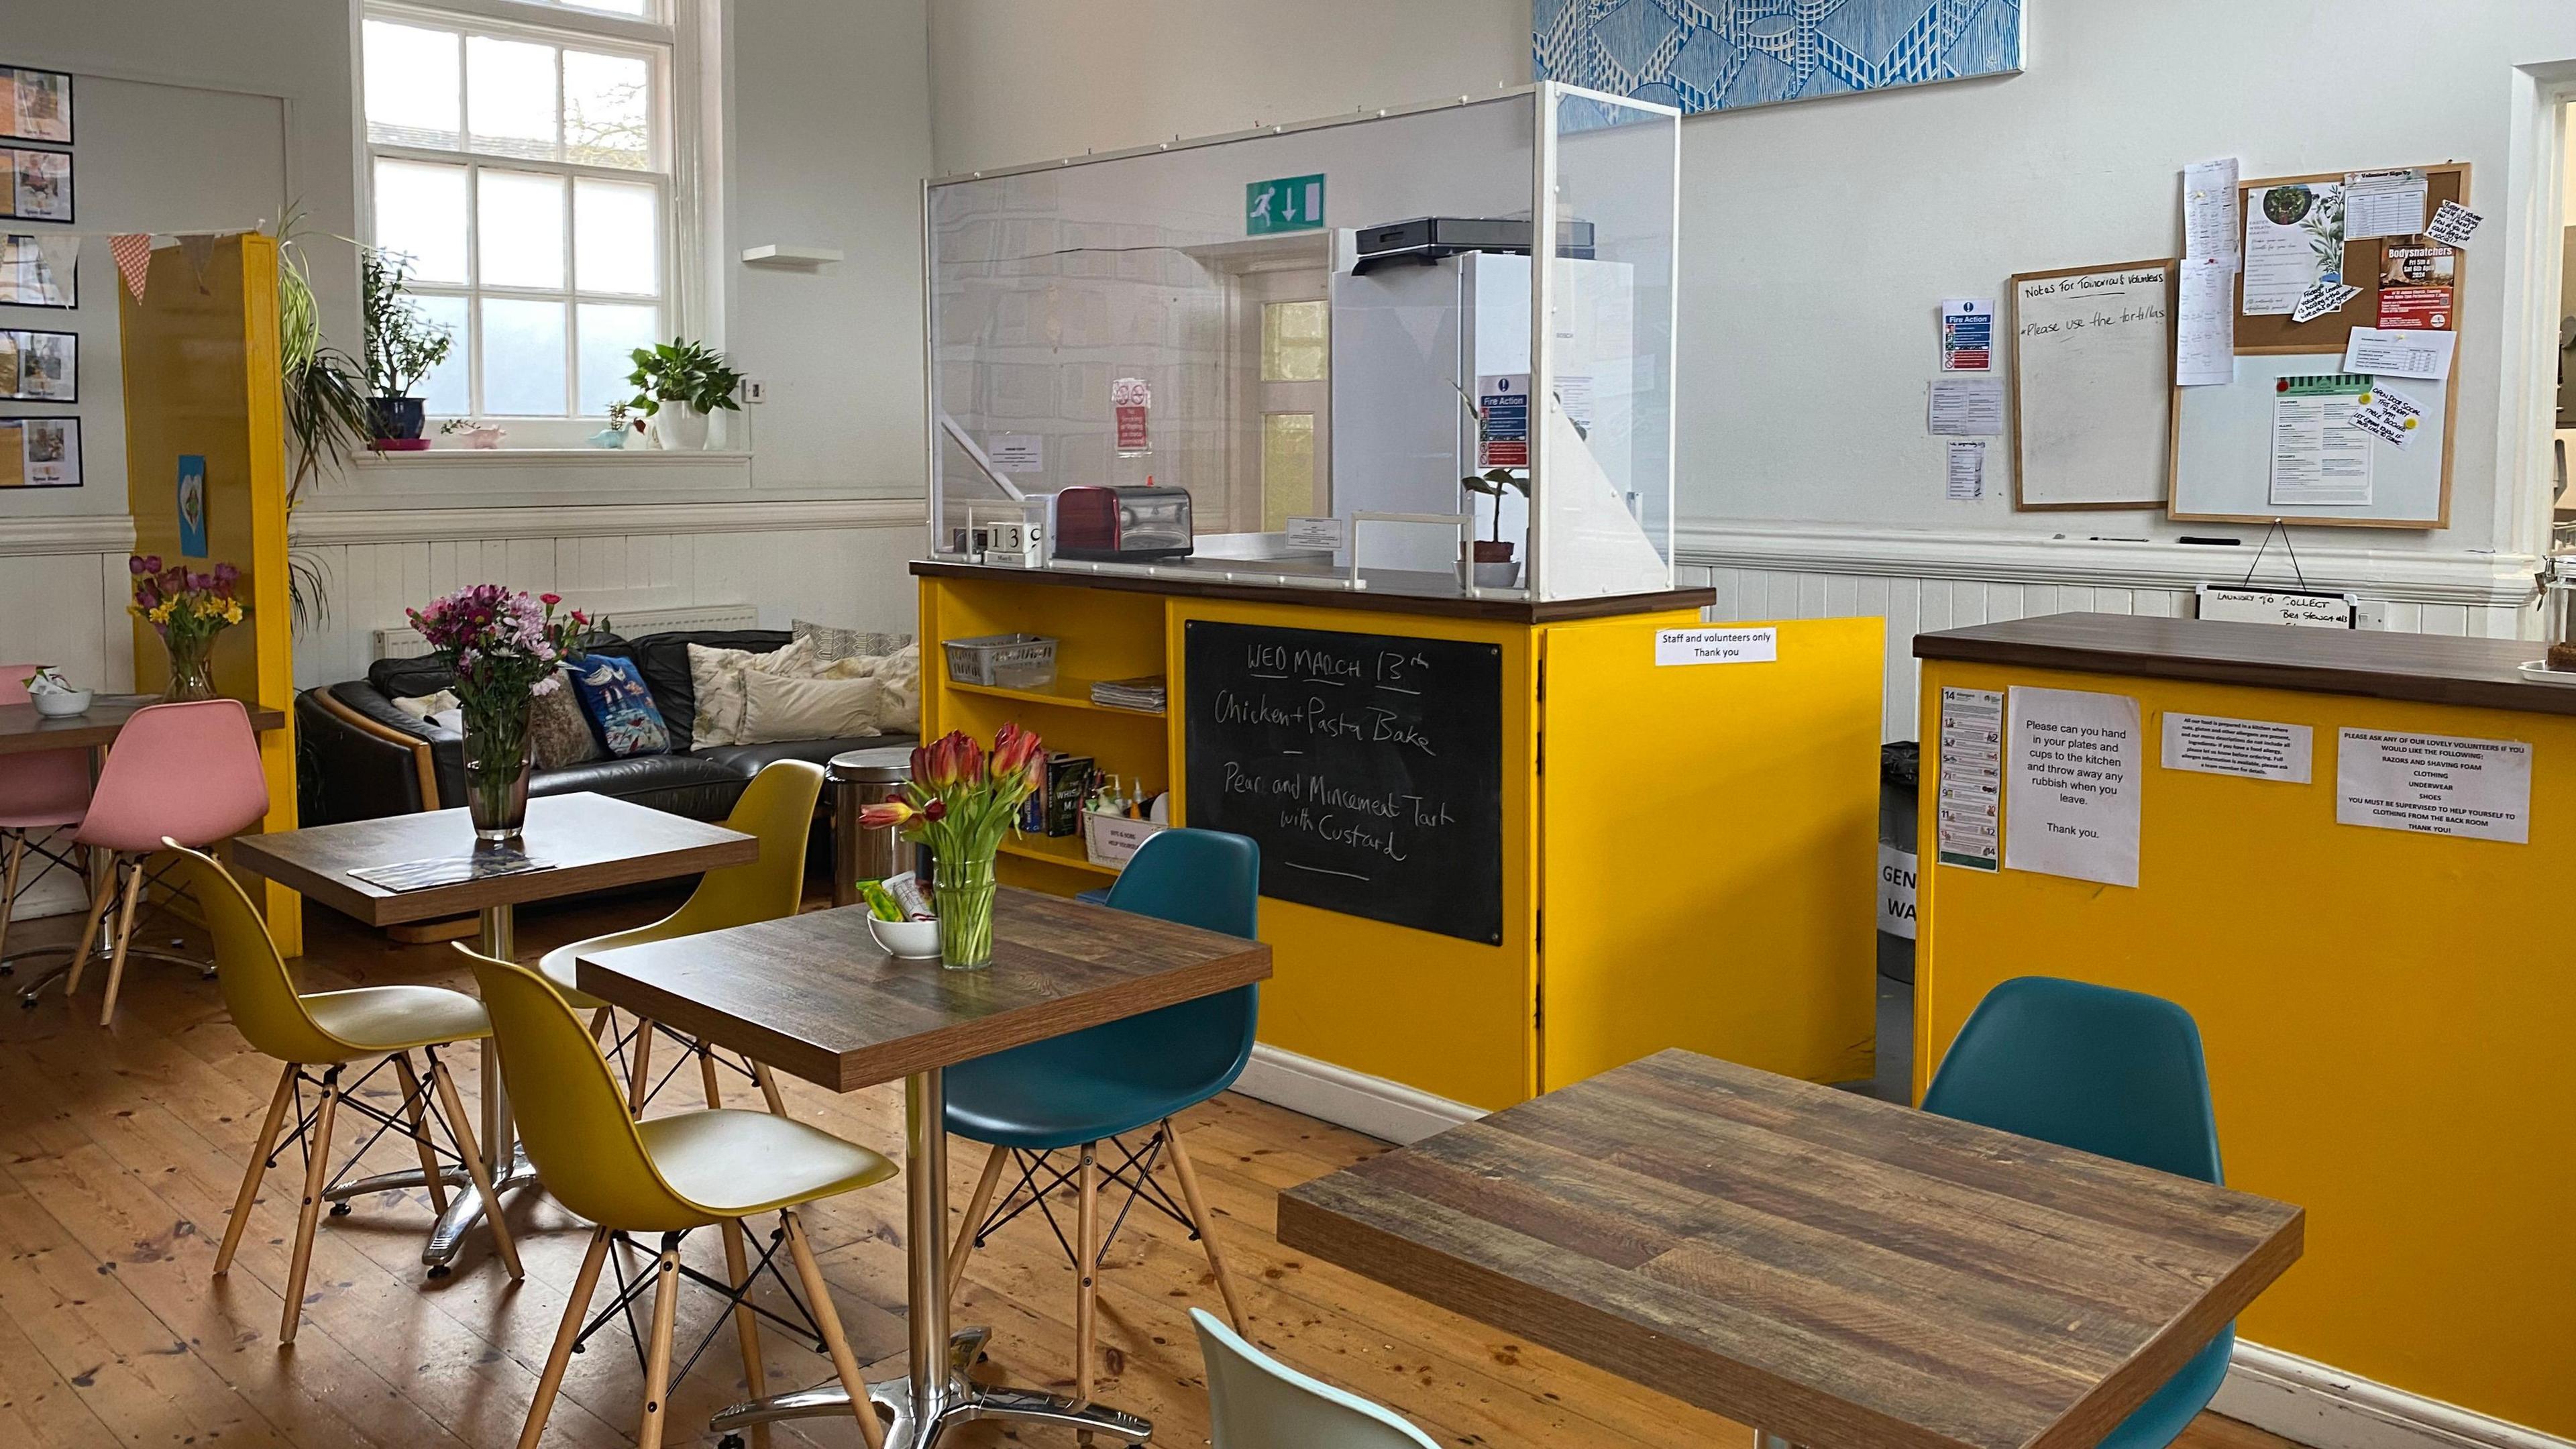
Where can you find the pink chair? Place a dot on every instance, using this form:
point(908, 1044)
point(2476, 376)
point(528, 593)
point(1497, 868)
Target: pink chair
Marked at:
point(189, 772)
point(40, 791)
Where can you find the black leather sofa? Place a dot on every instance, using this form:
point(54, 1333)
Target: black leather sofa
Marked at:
point(362, 759)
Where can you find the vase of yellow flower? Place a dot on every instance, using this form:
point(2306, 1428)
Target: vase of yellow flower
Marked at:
point(187, 610)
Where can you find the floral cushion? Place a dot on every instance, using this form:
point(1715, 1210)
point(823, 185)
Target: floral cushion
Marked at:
point(561, 734)
point(620, 708)
point(831, 645)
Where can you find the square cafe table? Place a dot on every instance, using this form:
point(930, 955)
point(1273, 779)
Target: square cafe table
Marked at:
point(815, 996)
point(1833, 1269)
point(595, 843)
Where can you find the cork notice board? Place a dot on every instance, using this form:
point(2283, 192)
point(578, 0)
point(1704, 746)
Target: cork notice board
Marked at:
point(2222, 443)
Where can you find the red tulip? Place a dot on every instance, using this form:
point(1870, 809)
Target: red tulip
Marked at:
point(889, 813)
point(936, 810)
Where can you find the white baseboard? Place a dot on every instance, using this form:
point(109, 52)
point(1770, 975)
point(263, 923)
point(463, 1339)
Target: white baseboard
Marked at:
point(1389, 1111)
point(2315, 1404)
point(2299, 1399)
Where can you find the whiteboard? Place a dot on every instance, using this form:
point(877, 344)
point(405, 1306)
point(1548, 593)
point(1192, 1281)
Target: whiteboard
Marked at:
point(2093, 386)
point(2223, 458)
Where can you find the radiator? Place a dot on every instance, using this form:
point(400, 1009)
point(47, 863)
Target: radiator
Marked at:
point(405, 642)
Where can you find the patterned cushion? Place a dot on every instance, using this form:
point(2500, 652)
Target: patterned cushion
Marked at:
point(562, 735)
point(620, 708)
point(830, 644)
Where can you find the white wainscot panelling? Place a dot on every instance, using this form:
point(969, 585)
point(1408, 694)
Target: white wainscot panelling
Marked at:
point(1927, 583)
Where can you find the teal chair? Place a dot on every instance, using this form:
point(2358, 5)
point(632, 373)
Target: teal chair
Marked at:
point(2115, 1073)
point(1092, 1087)
point(1257, 1402)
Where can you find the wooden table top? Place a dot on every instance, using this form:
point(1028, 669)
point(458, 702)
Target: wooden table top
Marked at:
point(813, 994)
point(2432, 668)
point(22, 729)
point(596, 842)
point(1829, 1267)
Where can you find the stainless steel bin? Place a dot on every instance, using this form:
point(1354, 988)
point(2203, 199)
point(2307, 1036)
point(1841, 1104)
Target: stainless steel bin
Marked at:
point(859, 779)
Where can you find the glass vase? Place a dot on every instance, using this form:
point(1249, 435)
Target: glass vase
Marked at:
point(961, 891)
point(499, 752)
point(192, 668)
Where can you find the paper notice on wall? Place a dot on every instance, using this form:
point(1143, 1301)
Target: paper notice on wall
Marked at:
point(2434, 785)
point(2293, 237)
point(1130, 401)
point(1502, 405)
point(2452, 223)
point(2399, 353)
point(1967, 476)
point(2321, 298)
point(2205, 336)
point(2415, 287)
point(1967, 407)
point(2318, 455)
point(1968, 334)
point(2383, 203)
point(2253, 749)
point(1018, 452)
point(1717, 645)
point(2071, 790)
point(2209, 211)
point(1967, 829)
point(2389, 415)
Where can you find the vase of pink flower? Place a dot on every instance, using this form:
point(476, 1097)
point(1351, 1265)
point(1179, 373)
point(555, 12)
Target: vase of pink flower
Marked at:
point(506, 648)
point(187, 610)
point(960, 802)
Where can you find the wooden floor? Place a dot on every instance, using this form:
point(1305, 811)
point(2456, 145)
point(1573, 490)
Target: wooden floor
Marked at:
point(120, 1151)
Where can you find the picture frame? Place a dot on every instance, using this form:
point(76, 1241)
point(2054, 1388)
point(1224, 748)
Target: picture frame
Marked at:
point(35, 105)
point(38, 185)
point(39, 452)
point(39, 270)
point(39, 366)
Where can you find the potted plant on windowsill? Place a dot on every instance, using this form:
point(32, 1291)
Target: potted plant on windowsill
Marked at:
point(682, 384)
point(403, 346)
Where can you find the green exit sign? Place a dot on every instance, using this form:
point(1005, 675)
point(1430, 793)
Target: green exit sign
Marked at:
point(1291, 203)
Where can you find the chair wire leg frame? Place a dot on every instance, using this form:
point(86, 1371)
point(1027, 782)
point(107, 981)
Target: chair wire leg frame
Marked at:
point(934, 1391)
point(103, 948)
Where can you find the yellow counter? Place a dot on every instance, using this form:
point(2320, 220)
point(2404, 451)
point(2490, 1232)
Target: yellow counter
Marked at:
point(2386, 1013)
point(1687, 852)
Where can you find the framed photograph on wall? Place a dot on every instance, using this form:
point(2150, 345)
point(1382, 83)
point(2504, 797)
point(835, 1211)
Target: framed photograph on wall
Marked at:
point(40, 452)
point(39, 271)
point(40, 366)
point(39, 185)
point(35, 105)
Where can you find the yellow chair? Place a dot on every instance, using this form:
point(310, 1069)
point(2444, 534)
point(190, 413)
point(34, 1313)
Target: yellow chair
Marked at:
point(330, 1029)
point(777, 808)
point(669, 1175)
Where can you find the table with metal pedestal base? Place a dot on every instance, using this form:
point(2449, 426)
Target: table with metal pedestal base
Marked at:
point(814, 996)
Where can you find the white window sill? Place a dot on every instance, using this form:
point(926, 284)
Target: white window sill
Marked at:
point(551, 457)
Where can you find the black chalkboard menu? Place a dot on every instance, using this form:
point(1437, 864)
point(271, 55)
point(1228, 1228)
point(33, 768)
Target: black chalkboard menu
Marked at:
point(1369, 767)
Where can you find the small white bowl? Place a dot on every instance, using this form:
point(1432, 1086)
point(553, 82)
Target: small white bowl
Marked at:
point(909, 940)
point(61, 706)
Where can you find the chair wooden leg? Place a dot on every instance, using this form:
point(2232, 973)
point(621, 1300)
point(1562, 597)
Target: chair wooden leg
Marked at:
point(473, 1155)
point(9, 883)
point(746, 1323)
point(102, 895)
point(818, 1295)
point(1200, 1220)
point(1086, 1272)
point(258, 1169)
point(657, 1348)
point(416, 1107)
point(600, 1021)
point(707, 1076)
point(576, 1307)
point(640, 1079)
point(124, 935)
point(769, 1089)
point(976, 1207)
point(317, 1171)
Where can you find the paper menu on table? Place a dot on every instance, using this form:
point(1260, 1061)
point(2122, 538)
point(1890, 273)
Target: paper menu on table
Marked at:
point(2383, 203)
point(1967, 830)
point(2399, 352)
point(2209, 211)
point(2318, 455)
point(2205, 334)
point(1967, 407)
point(2293, 238)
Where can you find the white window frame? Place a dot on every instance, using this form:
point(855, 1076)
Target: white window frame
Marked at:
point(670, 45)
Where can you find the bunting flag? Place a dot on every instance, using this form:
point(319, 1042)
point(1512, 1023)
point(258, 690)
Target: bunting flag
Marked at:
point(133, 253)
point(199, 249)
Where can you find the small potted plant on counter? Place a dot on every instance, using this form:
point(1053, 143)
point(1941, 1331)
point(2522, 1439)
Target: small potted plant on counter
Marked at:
point(1490, 561)
point(682, 384)
point(403, 346)
point(622, 425)
point(476, 435)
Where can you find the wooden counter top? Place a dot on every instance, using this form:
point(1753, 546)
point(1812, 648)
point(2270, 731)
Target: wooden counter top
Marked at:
point(1379, 600)
point(2433, 669)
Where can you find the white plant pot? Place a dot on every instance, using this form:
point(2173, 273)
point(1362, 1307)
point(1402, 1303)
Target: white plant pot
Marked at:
point(680, 428)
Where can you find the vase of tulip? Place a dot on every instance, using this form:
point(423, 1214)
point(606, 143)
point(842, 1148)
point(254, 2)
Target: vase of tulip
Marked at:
point(505, 648)
point(960, 802)
point(187, 610)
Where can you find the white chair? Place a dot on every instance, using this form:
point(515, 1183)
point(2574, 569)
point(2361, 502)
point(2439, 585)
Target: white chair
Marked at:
point(1257, 1402)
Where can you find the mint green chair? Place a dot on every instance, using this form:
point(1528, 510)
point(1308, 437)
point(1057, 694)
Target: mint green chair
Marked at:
point(1257, 1402)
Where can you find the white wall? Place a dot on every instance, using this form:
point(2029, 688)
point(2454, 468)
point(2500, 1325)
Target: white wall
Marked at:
point(1818, 237)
